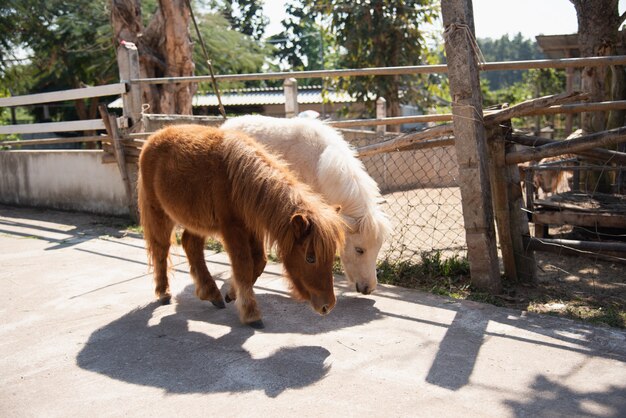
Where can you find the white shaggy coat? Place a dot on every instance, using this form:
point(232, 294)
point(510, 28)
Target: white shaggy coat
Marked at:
point(320, 156)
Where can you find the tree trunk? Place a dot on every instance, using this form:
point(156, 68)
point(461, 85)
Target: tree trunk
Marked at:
point(598, 31)
point(165, 50)
point(598, 26)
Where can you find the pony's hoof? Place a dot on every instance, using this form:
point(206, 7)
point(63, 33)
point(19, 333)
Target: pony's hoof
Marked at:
point(218, 304)
point(258, 324)
point(165, 299)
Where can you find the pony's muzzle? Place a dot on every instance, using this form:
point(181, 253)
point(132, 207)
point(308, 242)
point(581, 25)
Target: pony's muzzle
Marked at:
point(322, 305)
point(364, 288)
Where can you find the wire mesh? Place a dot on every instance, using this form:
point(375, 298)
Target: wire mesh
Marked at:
point(421, 198)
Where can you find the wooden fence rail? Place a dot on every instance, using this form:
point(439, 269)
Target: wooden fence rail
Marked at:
point(405, 70)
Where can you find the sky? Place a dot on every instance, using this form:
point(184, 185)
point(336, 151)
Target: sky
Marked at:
point(493, 18)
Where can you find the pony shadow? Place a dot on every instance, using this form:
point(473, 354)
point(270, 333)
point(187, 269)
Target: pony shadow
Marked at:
point(139, 348)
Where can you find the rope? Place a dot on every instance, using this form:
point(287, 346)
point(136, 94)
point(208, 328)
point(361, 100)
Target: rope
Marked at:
point(208, 61)
point(480, 60)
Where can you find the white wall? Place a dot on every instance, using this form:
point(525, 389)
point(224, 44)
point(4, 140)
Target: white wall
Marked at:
point(62, 179)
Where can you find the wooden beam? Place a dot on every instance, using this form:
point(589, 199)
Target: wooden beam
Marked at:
point(614, 251)
point(53, 141)
point(589, 219)
point(33, 128)
point(64, 95)
point(602, 154)
point(110, 122)
point(414, 69)
point(571, 146)
point(405, 141)
point(529, 106)
point(519, 262)
point(470, 143)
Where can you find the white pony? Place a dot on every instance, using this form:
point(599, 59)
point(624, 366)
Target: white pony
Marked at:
point(320, 156)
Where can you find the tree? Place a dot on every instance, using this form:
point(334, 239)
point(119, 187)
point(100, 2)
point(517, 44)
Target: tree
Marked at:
point(66, 45)
point(598, 27)
point(300, 45)
point(378, 33)
point(165, 50)
point(245, 16)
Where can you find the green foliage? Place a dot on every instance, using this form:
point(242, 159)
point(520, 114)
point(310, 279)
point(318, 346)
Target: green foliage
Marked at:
point(378, 33)
point(244, 16)
point(230, 51)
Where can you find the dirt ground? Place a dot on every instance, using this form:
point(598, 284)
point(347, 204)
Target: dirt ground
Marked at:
point(582, 286)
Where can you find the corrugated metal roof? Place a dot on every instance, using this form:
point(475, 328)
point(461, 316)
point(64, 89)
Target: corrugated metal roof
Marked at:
point(263, 96)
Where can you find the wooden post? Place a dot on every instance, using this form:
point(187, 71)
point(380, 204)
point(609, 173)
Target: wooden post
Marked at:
point(291, 97)
point(118, 149)
point(381, 113)
point(471, 149)
point(519, 262)
point(128, 64)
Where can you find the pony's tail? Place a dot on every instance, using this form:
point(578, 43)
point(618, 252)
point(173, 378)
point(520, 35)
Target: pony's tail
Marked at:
point(157, 227)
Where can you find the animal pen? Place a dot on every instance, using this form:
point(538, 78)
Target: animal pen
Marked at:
point(444, 185)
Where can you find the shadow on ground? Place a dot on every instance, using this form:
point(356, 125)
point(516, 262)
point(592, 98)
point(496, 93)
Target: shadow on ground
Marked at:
point(170, 356)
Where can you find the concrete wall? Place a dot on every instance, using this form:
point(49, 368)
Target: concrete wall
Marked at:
point(62, 179)
point(77, 180)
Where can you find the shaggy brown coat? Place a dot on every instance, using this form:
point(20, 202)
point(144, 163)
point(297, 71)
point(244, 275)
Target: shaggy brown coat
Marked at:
point(212, 181)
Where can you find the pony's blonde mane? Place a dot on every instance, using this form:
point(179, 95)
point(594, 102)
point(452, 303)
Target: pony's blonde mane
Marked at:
point(256, 174)
point(360, 195)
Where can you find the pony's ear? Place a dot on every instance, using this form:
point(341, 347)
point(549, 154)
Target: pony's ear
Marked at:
point(301, 226)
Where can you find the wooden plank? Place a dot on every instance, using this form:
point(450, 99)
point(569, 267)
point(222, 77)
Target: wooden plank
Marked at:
point(64, 95)
point(470, 144)
point(33, 128)
point(498, 175)
point(518, 261)
point(602, 154)
point(576, 218)
point(613, 251)
point(412, 69)
point(405, 141)
point(53, 141)
point(571, 146)
point(529, 106)
point(110, 122)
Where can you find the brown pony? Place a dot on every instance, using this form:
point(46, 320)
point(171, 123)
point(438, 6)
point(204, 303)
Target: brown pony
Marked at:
point(214, 181)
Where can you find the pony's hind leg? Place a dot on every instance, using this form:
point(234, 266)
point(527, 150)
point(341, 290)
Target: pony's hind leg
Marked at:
point(205, 285)
point(238, 245)
point(259, 259)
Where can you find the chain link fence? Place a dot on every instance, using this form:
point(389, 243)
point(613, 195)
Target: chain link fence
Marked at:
point(421, 198)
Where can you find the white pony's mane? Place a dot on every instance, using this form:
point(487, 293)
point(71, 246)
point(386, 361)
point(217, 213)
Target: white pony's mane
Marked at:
point(359, 196)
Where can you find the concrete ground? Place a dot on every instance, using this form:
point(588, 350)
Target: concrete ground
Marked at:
point(80, 335)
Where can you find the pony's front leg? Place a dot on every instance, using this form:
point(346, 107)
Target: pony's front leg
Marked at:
point(237, 242)
point(205, 285)
point(259, 259)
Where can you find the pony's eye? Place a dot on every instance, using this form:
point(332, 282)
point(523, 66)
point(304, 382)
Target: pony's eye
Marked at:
point(359, 250)
point(310, 258)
